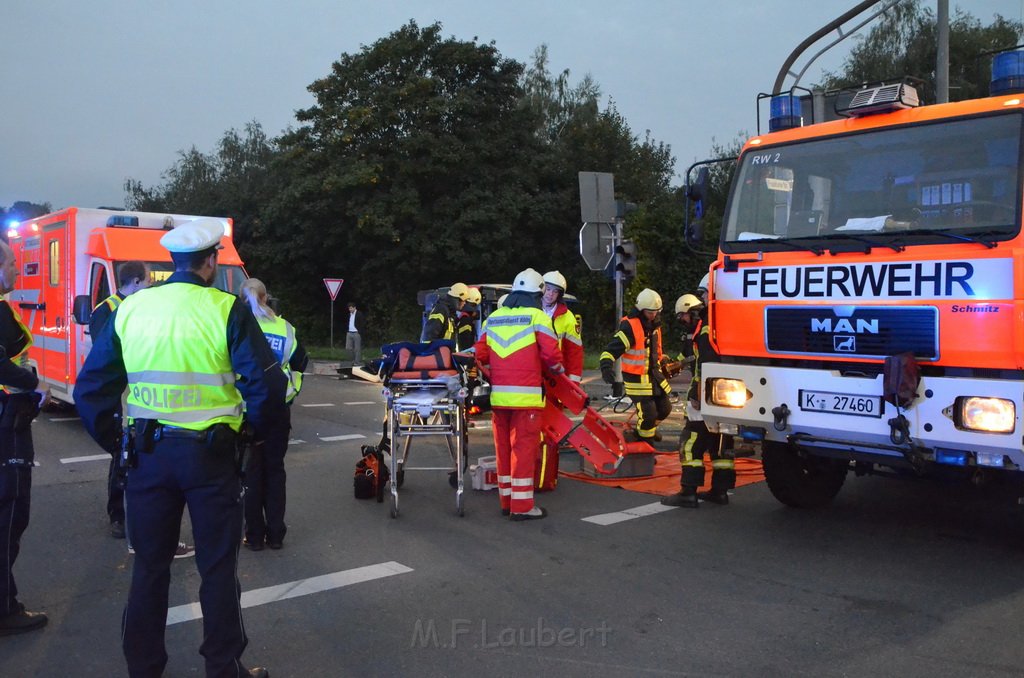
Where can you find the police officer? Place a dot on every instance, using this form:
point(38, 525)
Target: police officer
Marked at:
point(22, 398)
point(443, 316)
point(188, 354)
point(638, 343)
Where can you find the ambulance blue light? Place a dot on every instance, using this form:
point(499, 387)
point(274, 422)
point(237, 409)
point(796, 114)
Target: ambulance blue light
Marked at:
point(784, 113)
point(1007, 73)
point(950, 457)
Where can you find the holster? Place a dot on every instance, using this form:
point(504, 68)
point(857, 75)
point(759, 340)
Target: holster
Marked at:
point(18, 410)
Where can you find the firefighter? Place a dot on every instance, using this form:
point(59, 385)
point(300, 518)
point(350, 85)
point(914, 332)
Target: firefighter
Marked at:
point(518, 343)
point(638, 342)
point(566, 326)
point(132, 276)
point(465, 327)
point(442, 317)
point(189, 355)
point(23, 397)
point(265, 477)
point(696, 439)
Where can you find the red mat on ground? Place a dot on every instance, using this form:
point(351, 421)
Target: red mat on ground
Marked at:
point(666, 475)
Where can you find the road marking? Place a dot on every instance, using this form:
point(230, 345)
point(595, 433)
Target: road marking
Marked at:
point(317, 404)
point(628, 514)
point(302, 587)
point(363, 402)
point(334, 439)
point(296, 441)
point(91, 457)
point(64, 418)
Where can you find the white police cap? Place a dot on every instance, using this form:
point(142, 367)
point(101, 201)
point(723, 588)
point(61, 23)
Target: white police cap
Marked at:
point(194, 236)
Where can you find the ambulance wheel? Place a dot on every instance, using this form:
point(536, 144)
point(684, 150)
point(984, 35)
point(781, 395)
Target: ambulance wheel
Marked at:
point(798, 481)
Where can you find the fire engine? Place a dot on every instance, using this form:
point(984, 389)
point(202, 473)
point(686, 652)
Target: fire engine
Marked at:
point(68, 262)
point(867, 299)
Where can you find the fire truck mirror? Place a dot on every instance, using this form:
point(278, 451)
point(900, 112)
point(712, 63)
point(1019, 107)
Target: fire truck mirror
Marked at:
point(83, 309)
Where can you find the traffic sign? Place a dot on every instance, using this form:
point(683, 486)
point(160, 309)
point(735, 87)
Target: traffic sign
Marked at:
point(333, 285)
point(596, 240)
point(597, 196)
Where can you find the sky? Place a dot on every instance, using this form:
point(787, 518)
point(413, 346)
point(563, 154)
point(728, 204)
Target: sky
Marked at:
point(101, 91)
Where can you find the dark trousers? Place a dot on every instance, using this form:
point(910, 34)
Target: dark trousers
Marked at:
point(265, 494)
point(16, 456)
point(649, 411)
point(694, 442)
point(177, 472)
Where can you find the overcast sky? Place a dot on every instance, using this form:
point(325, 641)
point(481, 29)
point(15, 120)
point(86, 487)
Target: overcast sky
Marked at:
point(97, 91)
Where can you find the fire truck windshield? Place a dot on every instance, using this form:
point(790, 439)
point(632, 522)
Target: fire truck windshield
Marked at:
point(911, 184)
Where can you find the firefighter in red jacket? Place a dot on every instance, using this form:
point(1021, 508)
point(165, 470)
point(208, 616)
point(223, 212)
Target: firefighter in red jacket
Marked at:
point(518, 344)
point(638, 343)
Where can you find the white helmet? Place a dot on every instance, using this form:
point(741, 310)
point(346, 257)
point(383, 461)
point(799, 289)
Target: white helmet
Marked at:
point(528, 281)
point(501, 300)
point(648, 300)
point(688, 302)
point(557, 279)
point(459, 291)
point(703, 284)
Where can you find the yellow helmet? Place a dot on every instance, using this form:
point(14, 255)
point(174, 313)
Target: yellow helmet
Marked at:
point(459, 291)
point(474, 296)
point(557, 279)
point(687, 303)
point(648, 300)
point(528, 281)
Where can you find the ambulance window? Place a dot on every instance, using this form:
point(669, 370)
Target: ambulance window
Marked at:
point(54, 263)
point(99, 285)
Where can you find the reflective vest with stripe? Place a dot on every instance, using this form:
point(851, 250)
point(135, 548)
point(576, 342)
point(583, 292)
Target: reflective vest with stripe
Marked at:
point(21, 357)
point(568, 332)
point(112, 302)
point(281, 336)
point(637, 359)
point(513, 337)
point(174, 344)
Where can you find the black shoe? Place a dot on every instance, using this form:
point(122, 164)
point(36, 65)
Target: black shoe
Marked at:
point(681, 499)
point(714, 497)
point(275, 544)
point(253, 544)
point(22, 621)
point(506, 512)
point(258, 672)
point(536, 513)
point(117, 529)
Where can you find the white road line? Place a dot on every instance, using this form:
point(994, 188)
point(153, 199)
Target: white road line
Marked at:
point(364, 402)
point(334, 439)
point(302, 587)
point(317, 404)
point(296, 441)
point(91, 457)
point(64, 418)
point(628, 514)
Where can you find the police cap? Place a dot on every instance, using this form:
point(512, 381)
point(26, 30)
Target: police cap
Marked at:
point(194, 236)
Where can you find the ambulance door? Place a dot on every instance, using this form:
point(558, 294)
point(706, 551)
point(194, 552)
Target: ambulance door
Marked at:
point(54, 331)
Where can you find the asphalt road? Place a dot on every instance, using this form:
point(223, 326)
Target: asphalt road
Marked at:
point(895, 578)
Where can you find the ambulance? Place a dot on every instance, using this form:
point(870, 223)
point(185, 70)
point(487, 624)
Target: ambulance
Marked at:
point(68, 263)
point(867, 299)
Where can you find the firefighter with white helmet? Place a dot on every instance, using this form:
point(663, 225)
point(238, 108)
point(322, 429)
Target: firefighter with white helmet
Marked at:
point(443, 316)
point(638, 343)
point(696, 439)
point(518, 344)
point(566, 326)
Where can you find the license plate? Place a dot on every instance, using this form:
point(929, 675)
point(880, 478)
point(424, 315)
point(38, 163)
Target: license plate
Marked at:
point(841, 403)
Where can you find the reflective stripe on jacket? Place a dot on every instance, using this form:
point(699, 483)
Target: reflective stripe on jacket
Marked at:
point(280, 335)
point(640, 353)
point(175, 351)
point(569, 341)
point(517, 344)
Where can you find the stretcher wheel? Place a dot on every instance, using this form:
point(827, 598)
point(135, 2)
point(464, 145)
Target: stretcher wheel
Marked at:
point(394, 506)
point(400, 476)
point(460, 504)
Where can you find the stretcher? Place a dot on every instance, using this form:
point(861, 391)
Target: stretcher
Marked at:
point(425, 394)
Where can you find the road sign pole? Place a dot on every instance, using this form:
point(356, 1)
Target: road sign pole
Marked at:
point(332, 324)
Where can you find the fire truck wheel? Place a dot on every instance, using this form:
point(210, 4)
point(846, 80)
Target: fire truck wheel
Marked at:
point(801, 482)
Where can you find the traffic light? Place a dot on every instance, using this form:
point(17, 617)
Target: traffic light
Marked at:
point(625, 258)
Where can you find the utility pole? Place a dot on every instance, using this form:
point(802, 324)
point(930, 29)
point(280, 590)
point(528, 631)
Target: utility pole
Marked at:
point(942, 53)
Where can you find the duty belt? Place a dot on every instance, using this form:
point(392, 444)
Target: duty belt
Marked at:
point(167, 431)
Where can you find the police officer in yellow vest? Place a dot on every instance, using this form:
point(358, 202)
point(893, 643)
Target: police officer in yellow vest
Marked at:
point(188, 354)
point(638, 343)
point(265, 476)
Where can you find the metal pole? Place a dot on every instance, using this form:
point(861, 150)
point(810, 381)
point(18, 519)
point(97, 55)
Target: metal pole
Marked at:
point(332, 324)
point(942, 53)
point(619, 280)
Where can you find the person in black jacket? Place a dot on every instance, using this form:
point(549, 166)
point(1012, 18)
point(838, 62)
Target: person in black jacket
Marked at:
point(22, 398)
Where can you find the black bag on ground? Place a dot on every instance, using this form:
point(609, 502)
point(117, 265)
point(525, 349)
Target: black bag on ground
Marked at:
point(371, 474)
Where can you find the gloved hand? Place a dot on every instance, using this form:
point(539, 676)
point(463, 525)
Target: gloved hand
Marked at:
point(607, 373)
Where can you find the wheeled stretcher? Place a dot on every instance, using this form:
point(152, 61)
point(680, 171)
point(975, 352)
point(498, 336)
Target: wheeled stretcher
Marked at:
point(425, 394)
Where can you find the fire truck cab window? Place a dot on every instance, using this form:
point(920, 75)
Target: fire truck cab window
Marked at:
point(948, 176)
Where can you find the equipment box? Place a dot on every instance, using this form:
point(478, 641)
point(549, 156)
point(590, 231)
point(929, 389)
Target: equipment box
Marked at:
point(484, 473)
point(634, 465)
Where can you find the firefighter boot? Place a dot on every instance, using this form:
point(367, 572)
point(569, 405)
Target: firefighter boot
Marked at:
point(686, 497)
point(722, 480)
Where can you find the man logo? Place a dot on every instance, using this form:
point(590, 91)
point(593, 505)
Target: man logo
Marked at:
point(843, 344)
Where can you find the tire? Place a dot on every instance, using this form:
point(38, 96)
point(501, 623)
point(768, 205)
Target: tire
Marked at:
point(801, 482)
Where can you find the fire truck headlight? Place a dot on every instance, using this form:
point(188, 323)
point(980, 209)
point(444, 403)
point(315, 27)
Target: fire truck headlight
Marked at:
point(728, 392)
point(991, 415)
